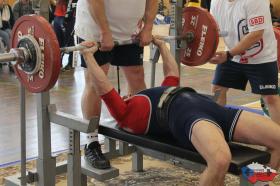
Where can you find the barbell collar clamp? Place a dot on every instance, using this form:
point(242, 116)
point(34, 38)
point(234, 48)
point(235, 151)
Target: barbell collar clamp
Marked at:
point(20, 55)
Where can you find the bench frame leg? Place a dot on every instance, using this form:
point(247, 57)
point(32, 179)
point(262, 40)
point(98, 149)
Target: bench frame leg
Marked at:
point(74, 159)
point(137, 161)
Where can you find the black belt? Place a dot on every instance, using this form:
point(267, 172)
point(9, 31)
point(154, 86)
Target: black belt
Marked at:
point(164, 102)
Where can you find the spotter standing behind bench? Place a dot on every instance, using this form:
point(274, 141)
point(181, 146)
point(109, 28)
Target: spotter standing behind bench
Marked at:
point(193, 119)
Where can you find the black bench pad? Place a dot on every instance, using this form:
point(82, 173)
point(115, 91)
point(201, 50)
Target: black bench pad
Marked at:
point(241, 155)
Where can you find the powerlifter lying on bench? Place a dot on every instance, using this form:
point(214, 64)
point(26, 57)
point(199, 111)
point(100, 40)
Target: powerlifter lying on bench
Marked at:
point(194, 120)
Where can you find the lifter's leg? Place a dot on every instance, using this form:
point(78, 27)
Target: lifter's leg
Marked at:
point(209, 141)
point(256, 129)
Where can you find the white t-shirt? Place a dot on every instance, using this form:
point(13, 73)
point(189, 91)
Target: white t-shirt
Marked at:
point(241, 17)
point(123, 17)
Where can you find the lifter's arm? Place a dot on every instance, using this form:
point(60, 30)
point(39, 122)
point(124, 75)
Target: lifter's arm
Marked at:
point(101, 82)
point(130, 114)
point(170, 67)
point(103, 86)
point(97, 11)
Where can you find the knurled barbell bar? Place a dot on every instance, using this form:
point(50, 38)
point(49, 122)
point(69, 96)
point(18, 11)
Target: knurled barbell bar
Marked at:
point(36, 49)
point(28, 54)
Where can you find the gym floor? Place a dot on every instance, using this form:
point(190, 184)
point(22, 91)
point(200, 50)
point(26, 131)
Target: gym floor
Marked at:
point(67, 96)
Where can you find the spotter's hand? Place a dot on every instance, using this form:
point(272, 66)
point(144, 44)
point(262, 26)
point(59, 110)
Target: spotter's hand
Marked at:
point(219, 58)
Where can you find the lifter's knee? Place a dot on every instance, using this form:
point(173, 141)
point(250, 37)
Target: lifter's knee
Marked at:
point(220, 162)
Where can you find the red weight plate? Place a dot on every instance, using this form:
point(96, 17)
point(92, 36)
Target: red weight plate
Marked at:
point(42, 31)
point(206, 36)
point(277, 35)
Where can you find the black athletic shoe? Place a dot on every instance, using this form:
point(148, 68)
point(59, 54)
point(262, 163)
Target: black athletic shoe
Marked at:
point(95, 157)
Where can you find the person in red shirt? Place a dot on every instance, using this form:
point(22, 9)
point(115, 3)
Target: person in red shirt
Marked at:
point(59, 13)
point(194, 120)
point(62, 30)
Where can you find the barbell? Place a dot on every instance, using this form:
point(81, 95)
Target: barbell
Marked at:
point(36, 50)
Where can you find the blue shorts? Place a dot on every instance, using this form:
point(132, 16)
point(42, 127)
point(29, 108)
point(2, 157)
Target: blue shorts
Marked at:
point(195, 108)
point(263, 78)
point(125, 55)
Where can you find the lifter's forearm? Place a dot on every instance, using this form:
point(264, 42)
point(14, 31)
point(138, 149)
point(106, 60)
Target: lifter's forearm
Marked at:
point(246, 42)
point(150, 13)
point(97, 11)
point(170, 67)
point(100, 80)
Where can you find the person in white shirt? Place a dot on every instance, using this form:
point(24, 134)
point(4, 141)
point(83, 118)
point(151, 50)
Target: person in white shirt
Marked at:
point(251, 51)
point(106, 21)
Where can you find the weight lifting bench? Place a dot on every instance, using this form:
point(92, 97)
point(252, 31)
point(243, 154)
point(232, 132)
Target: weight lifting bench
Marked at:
point(47, 168)
point(168, 149)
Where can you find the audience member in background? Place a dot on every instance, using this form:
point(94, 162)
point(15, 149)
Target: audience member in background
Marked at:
point(6, 23)
point(22, 7)
point(69, 22)
point(51, 10)
point(59, 27)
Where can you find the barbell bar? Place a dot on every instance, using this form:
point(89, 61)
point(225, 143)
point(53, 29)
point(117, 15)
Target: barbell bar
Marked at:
point(14, 55)
point(11, 56)
point(188, 37)
point(38, 55)
point(22, 55)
